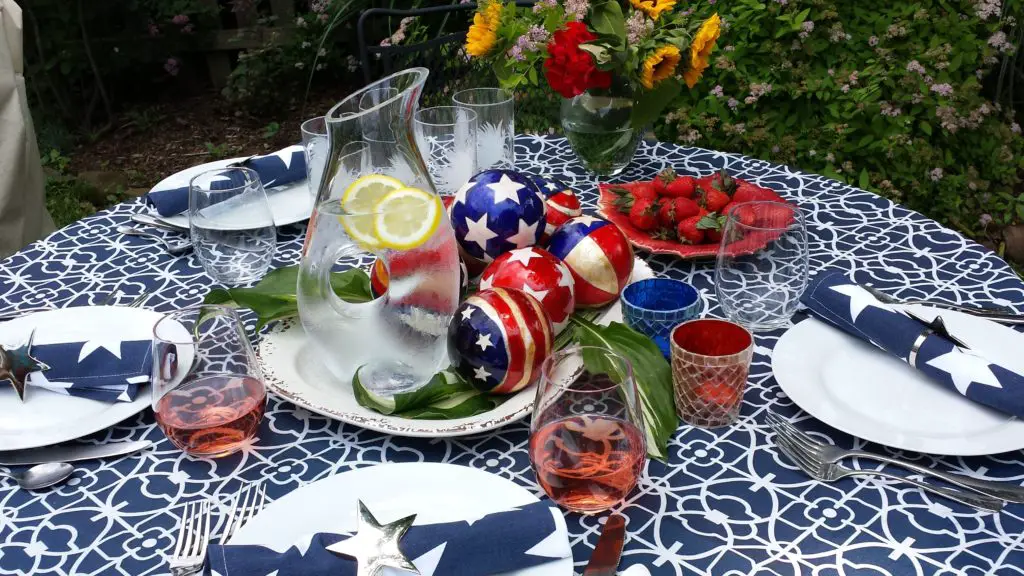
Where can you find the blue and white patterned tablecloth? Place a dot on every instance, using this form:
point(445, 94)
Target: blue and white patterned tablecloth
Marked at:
point(726, 504)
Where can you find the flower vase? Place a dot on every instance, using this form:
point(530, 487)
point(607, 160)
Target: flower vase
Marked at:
point(598, 125)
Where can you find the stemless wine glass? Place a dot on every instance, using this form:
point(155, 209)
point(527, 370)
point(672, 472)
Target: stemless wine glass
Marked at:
point(315, 146)
point(446, 137)
point(762, 266)
point(496, 131)
point(587, 443)
point(208, 392)
point(231, 225)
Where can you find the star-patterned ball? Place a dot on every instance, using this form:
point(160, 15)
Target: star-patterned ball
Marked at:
point(498, 340)
point(497, 211)
point(560, 201)
point(536, 272)
point(599, 256)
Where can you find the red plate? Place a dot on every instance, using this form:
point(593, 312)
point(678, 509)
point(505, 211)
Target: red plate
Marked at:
point(642, 240)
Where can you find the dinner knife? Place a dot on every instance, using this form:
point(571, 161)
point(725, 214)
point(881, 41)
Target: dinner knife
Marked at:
point(70, 453)
point(605, 559)
point(158, 223)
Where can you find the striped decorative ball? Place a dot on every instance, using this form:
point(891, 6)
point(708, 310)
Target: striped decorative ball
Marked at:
point(498, 340)
point(560, 203)
point(599, 256)
point(536, 272)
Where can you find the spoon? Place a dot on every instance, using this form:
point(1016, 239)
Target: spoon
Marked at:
point(173, 249)
point(41, 475)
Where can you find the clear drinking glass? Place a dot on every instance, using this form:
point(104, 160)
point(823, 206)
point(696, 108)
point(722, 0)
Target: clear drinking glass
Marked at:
point(710, 364)
point(208, 392)
point(315, 147)
point(587, 443)
point(446, 137)
point(496, 131)
point(231, 225)
point(398, 340)
point(763, 264)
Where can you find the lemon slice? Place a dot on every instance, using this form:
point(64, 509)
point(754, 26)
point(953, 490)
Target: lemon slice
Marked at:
point(406, 218)
point(359, 201)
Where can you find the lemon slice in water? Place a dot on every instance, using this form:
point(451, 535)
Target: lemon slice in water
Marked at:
point(359, 201)
point(406, 218)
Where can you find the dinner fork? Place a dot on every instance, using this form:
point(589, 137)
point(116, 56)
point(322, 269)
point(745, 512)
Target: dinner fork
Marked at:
point(193, 537)
point(996, 314)
point(826, 472)
point(248, 503)
point(833, 454)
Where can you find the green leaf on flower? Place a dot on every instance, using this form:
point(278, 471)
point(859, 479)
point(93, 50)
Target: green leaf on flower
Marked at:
point(651, 371)
point(650, 103)
point(445, 397)
point(607, 20)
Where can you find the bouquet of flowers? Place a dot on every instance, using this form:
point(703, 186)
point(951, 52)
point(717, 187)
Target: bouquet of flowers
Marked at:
point(580, 45)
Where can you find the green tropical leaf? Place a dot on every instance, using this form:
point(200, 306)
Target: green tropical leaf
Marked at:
point(445, 397)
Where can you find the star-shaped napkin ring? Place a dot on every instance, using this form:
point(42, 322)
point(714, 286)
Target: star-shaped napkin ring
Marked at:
point(16, 364)
point(375, 546)
point(938, 327)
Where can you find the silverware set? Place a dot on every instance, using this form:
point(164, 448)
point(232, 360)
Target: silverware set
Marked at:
point(172, 248)
point(821, 462)
point(196, 529)
point(1000, 314)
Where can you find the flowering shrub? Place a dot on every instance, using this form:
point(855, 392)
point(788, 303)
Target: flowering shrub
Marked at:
point(888, 97)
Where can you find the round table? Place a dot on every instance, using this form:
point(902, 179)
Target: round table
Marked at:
point(725, 504)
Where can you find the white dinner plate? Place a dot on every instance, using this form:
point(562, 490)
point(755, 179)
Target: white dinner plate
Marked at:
point(853, 386)
point(46, 417)
point(293, 371)
point(436, 493)
point(289, 203)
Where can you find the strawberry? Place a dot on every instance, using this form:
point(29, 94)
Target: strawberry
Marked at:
point(688, 231)
point(681, 187)
point(644, 190)
point(772, 215)
point(674, 210)
point(662, 180)
point(712, 225)
point(747, 192)
point(720, 181)
point(744, 214)
point(627, 194)
point(713, 200)
point(667, 213)
point(644, 214)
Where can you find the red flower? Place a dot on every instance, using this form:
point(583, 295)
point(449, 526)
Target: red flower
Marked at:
point(569, 70)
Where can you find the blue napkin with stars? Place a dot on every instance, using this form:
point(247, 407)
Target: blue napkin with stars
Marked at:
point(107, 370)
point(836, 300)
point(497, 543)
point(170, 197)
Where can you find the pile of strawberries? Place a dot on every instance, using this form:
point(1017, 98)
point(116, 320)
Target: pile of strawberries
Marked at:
point(686, 209)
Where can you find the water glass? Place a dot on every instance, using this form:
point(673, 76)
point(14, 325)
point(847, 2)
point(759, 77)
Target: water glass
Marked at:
point(231, 224)
point(495, 111)
point(587, 443)
point(315, 146)
point(762, 266)
point(654, 306)
point(446, 138)
point(710, 363)
point(208, 391)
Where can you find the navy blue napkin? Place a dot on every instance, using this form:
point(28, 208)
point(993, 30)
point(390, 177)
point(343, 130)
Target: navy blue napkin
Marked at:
point(170, 197)
point(838, 301)
point(495, 544)
point(106, 370)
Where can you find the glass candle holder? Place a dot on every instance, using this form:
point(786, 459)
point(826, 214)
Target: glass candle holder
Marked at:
point(654, 306)
point(710, 363)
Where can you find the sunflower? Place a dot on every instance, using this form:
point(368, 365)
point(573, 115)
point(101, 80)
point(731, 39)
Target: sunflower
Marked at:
point(483, 33)
point(700, 50)
point(653, 8)
point(659, 65)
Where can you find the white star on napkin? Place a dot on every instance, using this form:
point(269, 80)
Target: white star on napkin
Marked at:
point(965, 368)
point(859, 299)
point(100, 339)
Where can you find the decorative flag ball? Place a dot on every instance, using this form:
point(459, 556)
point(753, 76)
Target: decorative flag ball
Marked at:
point(498, 339)
point(598, 255)
point(560, 201)
point(536, 272)
point(497, 211)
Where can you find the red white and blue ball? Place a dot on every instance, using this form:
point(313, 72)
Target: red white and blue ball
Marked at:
point(598, 255)
point(498, 340)
point(497, 211)
point(535, 271)
point(560, 201)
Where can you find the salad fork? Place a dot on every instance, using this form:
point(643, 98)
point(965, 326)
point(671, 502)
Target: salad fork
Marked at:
point(826, 472)
point(248, 503)
point(193, 537)
point(832, 454)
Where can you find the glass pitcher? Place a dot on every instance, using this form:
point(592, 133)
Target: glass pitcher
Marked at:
point(376, 208)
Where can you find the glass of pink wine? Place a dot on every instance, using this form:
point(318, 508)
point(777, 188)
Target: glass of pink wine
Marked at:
point(208, 392)
point(587, 442)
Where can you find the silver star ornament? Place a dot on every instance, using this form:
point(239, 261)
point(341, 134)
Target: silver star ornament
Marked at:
point(17, 363)
point(375, 546)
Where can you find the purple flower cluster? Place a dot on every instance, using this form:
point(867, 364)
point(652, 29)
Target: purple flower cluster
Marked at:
point(915, 66)
point(986, 9)
point(718, 91)
point(319, 6)
point(1000, 42)
point(638, 27)
point(806, 28)
point(942, 89)
point(577, 9)
point(180, 19)
point(873, 41)
point(756, 91)
point(399, 34)
point(935, 174)
point(887, 109)
point(534, 38)
point(542, 5)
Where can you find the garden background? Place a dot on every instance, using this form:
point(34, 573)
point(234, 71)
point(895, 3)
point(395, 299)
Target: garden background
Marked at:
point(916, 101)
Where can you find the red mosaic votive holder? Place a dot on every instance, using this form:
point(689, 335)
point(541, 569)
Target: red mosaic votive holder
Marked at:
point(710, 363)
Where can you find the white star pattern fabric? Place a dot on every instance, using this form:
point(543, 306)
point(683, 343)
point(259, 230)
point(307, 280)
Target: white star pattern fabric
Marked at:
point(104, 368)
point(859, 298)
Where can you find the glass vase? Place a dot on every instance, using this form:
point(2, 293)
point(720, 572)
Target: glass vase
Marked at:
point(598, 125)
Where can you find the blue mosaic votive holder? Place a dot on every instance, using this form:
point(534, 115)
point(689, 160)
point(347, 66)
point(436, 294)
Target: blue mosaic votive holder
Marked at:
point(655, 306)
